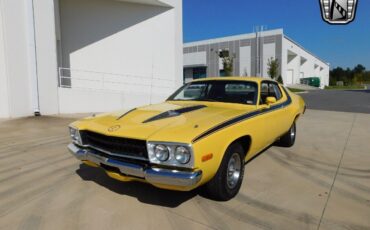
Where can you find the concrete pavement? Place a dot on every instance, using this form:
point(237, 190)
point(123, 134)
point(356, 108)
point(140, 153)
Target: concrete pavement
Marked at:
point(323, 181)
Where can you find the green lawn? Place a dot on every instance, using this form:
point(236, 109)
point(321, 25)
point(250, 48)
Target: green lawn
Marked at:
point(296, 90)
point(345, 87)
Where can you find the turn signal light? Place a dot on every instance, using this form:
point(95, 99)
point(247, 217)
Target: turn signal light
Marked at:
point(207, 157)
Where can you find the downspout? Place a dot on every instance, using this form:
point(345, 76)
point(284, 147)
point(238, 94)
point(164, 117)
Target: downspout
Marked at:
point(32, 58)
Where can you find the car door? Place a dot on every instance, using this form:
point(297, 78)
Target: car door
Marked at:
point(273, 114)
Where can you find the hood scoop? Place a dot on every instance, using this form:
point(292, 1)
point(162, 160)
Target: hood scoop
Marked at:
point(174, 113)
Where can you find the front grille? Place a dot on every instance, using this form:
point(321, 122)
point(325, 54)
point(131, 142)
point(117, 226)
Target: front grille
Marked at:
point(125, 147)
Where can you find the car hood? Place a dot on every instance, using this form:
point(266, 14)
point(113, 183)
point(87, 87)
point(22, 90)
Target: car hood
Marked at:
point(168, 121)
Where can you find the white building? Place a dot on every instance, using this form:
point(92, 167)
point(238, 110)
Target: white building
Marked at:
point(71, 56)
point(251, 53)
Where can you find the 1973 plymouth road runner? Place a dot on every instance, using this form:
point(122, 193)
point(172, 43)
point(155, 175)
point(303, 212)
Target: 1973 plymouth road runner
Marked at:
point(201, 136)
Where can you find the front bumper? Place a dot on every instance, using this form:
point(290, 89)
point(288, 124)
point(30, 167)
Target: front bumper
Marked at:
point(159, 177)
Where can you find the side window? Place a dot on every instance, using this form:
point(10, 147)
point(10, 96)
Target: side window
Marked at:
point(275, 91)
point(269, 89)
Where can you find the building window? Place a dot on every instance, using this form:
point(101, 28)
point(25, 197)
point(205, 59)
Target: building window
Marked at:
point(199, 72)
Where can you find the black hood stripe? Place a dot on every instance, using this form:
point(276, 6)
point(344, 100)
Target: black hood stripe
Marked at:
point(244, 117)
point(174, 113)
point(118, 118)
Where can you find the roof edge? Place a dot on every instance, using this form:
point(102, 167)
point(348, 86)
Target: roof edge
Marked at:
point(234, 37)
point(309, 52)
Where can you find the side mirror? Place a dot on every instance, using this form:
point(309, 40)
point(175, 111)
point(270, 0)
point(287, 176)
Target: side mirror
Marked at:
point(270, 100)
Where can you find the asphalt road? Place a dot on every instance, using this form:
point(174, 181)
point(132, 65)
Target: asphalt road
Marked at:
point(357, 101)
point(322, 182)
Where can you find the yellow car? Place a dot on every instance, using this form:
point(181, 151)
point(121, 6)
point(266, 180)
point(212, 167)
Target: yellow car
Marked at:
point(203, 134)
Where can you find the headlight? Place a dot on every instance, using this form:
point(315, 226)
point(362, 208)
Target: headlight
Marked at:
point(161, 152)
point(75, 135)
point(182, 154)
point(171, 154)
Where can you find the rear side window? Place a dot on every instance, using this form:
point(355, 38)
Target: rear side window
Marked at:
point(275, 91)
point(270, 89)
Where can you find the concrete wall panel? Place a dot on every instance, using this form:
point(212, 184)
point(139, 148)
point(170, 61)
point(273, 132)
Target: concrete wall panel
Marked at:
point(47, 72)
point(268, 53)
point(310, 67)
point(245, 61)
point(195, 59)
point(4, 100)
point(15, 39)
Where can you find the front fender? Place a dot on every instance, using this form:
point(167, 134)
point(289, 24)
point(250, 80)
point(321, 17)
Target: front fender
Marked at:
point(216, 144)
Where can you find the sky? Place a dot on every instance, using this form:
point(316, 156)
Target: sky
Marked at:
point(340, 45)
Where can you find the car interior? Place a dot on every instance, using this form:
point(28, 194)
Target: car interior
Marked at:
point(231, 93)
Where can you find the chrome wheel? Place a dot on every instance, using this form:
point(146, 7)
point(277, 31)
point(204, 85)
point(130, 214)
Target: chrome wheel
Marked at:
point(233, 170)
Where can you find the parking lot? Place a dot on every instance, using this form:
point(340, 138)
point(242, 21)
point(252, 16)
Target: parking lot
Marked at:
point(322, 182)
point(339, 100)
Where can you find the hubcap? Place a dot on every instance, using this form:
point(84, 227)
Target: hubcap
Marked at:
point(233, 170)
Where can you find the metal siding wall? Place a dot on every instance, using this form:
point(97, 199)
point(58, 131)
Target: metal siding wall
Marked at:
point(208, 51)
point(266, 40)
point(214, 71)
point(202, 48)
point(234, 48)
point(279, 51)
point(237, 58)
point(261, 47)
point(253, 57)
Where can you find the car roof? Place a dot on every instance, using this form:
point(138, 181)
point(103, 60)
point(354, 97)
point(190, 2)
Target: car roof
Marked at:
point(234, 78)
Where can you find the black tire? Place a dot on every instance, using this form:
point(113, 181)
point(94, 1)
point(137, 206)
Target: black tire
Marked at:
point(288, 139)
point(223, 187)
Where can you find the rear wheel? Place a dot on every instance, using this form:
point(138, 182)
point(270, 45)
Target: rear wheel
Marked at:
point(288, 139)
point(228, 179)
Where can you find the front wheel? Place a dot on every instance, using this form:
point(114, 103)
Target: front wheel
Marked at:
point(228, 179)
point(288, 139)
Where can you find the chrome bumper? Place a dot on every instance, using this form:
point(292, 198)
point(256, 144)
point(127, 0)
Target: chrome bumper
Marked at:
point(151, 175)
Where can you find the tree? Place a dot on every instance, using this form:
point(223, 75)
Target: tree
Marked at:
point(273, 68)
point(358, 78)
point(358, 74)
point(359, 69)
point(349, 76)
point(227, 62)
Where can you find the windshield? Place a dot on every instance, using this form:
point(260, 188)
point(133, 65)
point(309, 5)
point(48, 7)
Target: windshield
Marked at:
point(242, 92)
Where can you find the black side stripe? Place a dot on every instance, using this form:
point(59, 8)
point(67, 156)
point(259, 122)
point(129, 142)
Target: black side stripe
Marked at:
point(118, 118)
point(174, 113)
point(244, 117)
